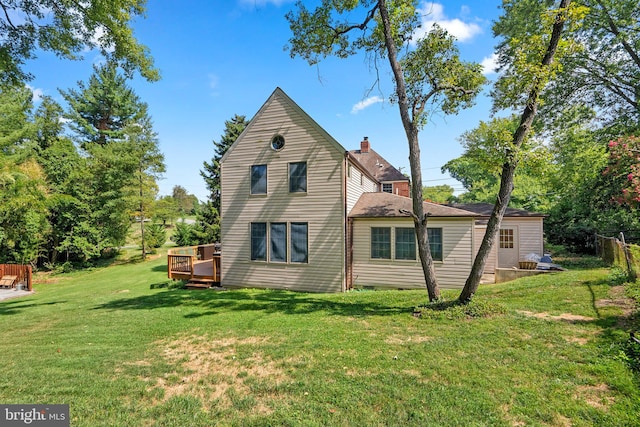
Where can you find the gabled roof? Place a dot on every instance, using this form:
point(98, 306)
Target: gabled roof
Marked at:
point(377, 166)
point(386, 205)
point(279, 93)
point(485, 209)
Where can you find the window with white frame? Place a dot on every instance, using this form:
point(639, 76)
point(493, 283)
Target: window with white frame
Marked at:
point(387, 188)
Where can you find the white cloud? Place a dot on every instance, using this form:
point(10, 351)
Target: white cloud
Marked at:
point(433, 13)
point(37, 93)
point(366, 103)
point(489, 64)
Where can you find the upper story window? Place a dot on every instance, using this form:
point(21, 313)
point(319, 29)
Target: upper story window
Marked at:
point(259, 179)
point(387, 188)
point(298, 177)
point(277, 142)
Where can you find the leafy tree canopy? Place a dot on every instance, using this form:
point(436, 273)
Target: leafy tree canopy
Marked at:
point(67, 28)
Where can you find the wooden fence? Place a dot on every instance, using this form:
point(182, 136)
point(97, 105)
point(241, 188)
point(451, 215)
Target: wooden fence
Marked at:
point(615, 251)
point(23, 274)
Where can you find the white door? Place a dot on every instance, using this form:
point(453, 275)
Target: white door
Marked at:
point(508, 247)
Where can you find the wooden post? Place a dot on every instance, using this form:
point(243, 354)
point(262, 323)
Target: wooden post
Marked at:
point(627, 257)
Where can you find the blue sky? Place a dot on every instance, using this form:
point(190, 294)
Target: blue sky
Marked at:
point(220, 58)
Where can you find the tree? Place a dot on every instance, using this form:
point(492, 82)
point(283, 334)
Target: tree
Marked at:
point(485, 150)
point(208, 216)
point(67, 29)
point(438, 193)
point(604, 72)
point(115, 133)
point(526, 55)
point(100, 110)
point(428, 74)
point(165, 210)
point(211, 172)
point(143, 145)
point(23, 210)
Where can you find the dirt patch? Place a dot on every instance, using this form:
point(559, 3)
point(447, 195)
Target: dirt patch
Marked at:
point(577, 340)
point(567, 317)
point(619, 300)
point(216, 370)
point(597, 396)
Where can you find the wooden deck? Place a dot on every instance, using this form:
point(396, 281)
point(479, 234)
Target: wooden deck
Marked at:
point(197, 264)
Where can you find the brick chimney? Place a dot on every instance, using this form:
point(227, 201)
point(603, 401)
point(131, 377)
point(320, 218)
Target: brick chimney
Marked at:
point(364, 145)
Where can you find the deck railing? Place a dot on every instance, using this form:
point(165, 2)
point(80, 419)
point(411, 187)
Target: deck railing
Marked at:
point(183, 263)
point(22, 272)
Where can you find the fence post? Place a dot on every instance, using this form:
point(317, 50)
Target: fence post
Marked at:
point(627, 258)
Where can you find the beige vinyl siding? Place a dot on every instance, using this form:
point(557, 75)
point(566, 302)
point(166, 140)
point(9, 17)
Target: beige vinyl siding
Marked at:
point(478, 235)
point(322, 206)
point(457, 235)
point(355, 189)
point(529, 234)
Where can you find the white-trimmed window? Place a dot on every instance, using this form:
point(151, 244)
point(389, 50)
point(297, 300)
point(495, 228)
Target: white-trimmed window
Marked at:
point(506, 238)
point(387, 188)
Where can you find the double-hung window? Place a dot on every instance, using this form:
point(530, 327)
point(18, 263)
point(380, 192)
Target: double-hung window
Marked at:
point(258, 241)
point(435, 243)
point(259, 179)
point(380, 242)
point(405, 243)
point(298, 177)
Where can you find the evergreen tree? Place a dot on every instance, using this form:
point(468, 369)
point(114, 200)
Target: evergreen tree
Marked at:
point(207, 227)
point(211, 172)
point(102, 108)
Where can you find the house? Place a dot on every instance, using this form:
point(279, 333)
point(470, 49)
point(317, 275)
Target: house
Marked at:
point(521, 233)
point(300, 212)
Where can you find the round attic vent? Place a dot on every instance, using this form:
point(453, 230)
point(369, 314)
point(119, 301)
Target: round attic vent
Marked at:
point(277, 142)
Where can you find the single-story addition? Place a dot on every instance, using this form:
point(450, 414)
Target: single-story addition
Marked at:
point(300, 212)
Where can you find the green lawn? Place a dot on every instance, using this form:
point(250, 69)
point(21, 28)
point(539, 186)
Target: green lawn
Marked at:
point(121, 350)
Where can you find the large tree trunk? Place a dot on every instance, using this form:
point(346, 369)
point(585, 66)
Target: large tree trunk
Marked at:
point(419, 217)
point(509, 167)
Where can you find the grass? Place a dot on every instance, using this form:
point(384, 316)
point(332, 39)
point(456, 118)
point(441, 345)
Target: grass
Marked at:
point(123, 348)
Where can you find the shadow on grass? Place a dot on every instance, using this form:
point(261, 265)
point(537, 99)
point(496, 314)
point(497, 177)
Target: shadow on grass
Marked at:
point(18, 305)
point(274, 301)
